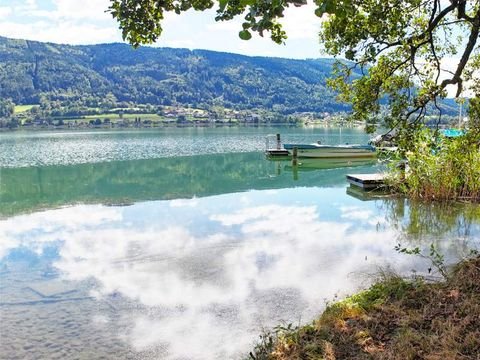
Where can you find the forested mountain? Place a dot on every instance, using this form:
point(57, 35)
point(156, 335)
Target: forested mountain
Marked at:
point(31, 71)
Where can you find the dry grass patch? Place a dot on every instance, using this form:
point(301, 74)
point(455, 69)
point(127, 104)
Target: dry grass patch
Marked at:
point(394, 319)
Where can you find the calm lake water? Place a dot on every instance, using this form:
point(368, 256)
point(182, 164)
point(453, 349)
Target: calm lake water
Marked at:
point(186, 243)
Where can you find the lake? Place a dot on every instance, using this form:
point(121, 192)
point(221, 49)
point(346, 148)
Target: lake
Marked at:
point(185, 243)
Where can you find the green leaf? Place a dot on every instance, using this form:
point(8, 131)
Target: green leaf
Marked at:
point(326, 6)
point(319, 12)
point(223, 5)
point(350, 54)
point(246, 25)
point(245, 35)
point(329, 6)
point(247, 2)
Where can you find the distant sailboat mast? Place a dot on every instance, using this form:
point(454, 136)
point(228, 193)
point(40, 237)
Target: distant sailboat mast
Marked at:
point(460, 114)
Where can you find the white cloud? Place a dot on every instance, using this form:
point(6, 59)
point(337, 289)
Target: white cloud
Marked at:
point(25, 8)
point(179, 43)
point(5, 11)
point(51, 225)
point(221, 26)
point(184, 203)
point(66, 22)
point(198, 30)
point(89, 10)
point(301, 22)
point(85, 9)
point(86, 22)
point(449, 65)
point(63, 32)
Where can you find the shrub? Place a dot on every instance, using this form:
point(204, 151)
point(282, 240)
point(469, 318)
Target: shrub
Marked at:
point(440, 168)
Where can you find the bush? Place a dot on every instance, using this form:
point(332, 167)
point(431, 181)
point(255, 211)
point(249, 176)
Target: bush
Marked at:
point(440, 168)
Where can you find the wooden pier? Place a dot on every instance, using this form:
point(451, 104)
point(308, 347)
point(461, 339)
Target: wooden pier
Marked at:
point(367, 181)
point(278, 150)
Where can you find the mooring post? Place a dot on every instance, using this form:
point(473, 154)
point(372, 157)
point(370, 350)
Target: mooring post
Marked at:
point(294, 156)
point(295, 173)
point(279, 142)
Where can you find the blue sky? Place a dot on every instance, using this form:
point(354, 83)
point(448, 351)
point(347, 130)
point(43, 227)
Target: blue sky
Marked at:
point(85, 22)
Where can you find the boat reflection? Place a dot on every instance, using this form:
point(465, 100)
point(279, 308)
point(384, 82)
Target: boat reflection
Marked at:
point(315, 164)
point(312, 164)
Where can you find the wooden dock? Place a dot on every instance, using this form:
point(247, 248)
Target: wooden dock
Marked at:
point(278, 149)
point(276, 152)
point(367, 181)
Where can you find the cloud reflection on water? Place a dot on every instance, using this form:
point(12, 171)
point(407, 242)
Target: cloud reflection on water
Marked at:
point(208, 276)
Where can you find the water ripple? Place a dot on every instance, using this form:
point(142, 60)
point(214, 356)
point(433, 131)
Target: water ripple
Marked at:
point(23, 149)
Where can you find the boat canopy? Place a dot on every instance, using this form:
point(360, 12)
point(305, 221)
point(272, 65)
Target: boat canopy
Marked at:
point(319, 146)
point(452, 133)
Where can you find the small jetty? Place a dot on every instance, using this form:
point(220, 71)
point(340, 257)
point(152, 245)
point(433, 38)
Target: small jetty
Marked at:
point(276, 152)
point(278, 149)
point(367, 181)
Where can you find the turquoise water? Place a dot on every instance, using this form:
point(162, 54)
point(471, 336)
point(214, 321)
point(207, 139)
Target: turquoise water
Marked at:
point(41, 148)
point(150, 255)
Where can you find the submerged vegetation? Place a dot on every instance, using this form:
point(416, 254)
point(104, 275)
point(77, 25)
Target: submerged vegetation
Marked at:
point(393, 319)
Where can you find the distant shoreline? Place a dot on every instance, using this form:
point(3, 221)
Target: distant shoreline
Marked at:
point(171, 125)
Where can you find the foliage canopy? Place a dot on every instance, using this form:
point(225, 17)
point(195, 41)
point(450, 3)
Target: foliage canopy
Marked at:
point(7, 108)
point(401, 46)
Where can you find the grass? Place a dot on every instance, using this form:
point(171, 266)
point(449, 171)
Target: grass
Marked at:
point(440, 169)
point(114, 118)
point(22, 108)
point(124, 116)
point(394, 319)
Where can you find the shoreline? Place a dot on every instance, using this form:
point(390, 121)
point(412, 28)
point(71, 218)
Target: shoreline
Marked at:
point(175, 125)
point(395, 318)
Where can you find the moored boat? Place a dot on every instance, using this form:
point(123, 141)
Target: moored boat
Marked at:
point(331, 151)
point(452, 133)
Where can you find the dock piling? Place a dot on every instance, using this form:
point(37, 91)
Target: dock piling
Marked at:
point(295, 156)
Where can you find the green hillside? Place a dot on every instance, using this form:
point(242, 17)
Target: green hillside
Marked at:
point(32, 71)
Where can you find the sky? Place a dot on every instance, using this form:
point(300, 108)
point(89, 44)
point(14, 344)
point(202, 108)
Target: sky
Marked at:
point(86, 22)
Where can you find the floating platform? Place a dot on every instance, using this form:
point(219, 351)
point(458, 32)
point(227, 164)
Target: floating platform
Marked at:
point(367, 181)
point(276, 152)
